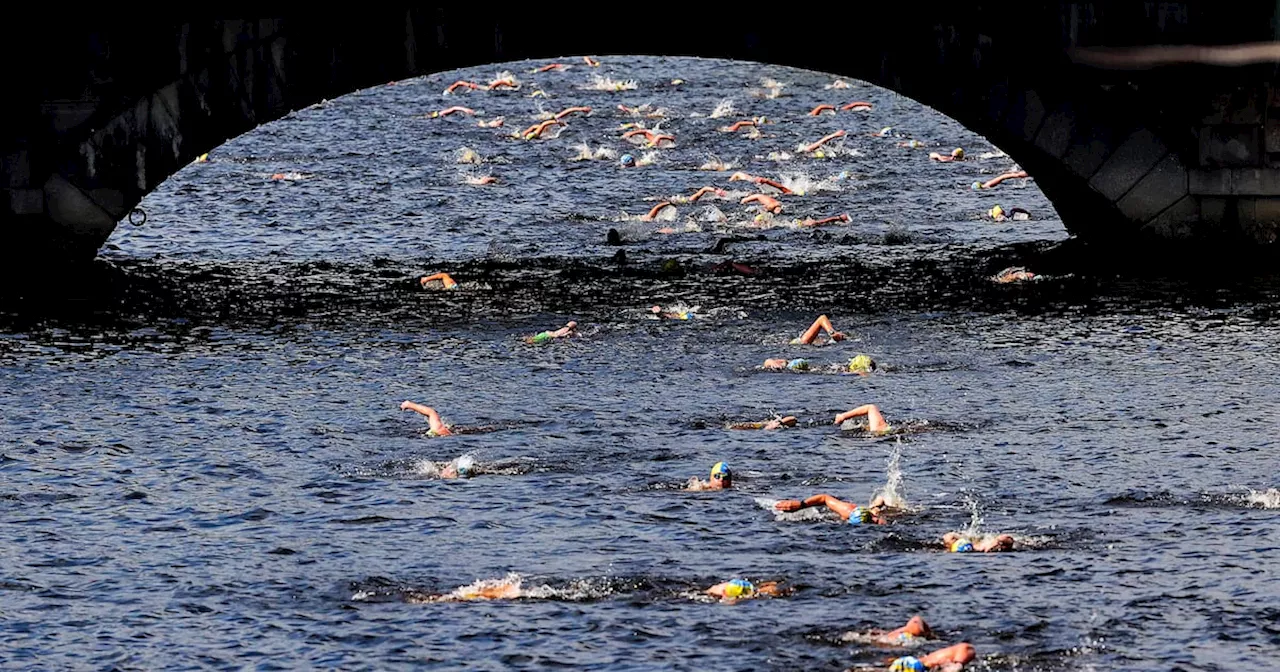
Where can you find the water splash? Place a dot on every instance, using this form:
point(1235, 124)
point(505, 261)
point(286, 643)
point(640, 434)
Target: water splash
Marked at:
point(723, 108)
point(812, 513)
point(599, 83)
point(1268, 499)
point(892, 492)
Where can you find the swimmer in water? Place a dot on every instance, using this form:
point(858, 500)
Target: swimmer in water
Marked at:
point(461, 467)
point(675, 313)
point(627, 161)
point(569, 329)
point(951, 658)
point(742, 589)
point(956, 154)
point(915, 629)
point(438, 428)
point(876, 423)
point(823, 323)
point(1014, 274)
point(721, 479)
point(854, 514)
point(776, 423)
point(1012, 175)
point(825, 220)
point(999, 214)
point(446, 281)
point(484, 589)
point(862, 365)
point(960, 543)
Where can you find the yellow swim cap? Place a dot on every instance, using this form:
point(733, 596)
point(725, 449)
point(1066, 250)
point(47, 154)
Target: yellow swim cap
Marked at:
point(958, 152)
point(739, 588)
point(721, 469)
point(996, 212)
point(862, 364)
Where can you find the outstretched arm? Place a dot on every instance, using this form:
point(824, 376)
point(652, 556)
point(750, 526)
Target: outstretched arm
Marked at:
point(433, 418)
point(875, 421)
point(840, 507)
point(444, 278)
point(957, 654)
point(822, 323)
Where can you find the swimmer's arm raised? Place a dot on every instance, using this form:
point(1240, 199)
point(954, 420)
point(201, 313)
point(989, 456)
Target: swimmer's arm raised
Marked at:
point(433, 418)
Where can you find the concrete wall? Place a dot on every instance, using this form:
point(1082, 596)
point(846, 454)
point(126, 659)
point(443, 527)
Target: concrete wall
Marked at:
point(106, 109)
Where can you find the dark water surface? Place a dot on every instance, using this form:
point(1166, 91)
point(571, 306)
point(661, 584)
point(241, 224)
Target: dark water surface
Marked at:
point(205, 465)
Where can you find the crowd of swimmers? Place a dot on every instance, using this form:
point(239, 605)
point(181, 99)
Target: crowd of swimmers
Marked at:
point(878, 511)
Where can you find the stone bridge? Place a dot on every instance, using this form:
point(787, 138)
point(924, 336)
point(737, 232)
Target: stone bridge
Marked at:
point(1135, 141)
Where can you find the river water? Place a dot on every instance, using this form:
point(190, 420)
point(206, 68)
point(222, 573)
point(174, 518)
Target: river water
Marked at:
point(204, 464)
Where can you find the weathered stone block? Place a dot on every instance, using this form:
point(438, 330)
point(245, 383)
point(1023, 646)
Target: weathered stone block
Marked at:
point(1055, 133)
point(16, 168)
point(1128, 164)
point(1235, 182)
point(1160, 188)
point(1213, 211)
point(24, 201)
point(1273, 135)
point(1230, 146)
point(72, 208)
point(1178, 222)
point(1089, 147)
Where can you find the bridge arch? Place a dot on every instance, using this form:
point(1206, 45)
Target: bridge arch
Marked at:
point(1122, 157)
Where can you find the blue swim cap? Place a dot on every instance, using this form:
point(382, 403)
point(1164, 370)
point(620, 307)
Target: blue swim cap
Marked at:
point(627, 160)
point(907, 664)
point(798, 365)
point(961, 546)
point(859, 516)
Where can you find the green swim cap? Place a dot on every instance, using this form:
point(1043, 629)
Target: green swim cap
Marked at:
point(862, 364)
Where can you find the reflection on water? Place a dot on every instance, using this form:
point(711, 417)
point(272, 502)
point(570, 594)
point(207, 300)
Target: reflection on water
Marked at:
point(207, 452)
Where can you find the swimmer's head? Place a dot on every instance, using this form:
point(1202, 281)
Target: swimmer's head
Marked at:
point(466, 466)
point(976, 186)
point(860, 516)
point(798, 365)
point(960, 546)
point(862, 364)
point(996, 212)
point(739, 588)
point(957, 153)
point(721, 474)
point(627, 161)
point(885, 131)
point(907, 664)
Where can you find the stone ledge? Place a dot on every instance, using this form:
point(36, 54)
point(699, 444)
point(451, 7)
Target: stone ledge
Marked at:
point(1235, 182)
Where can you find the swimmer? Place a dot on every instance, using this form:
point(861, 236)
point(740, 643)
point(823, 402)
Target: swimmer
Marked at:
point(739, 125)
point(862, 365)
point(535, 131)
point(825, 220)
point(675, 313)
point(859, 105)
point(824, 140)
point(480, 179)
point(655, 211)
point(549, 67)
point(453, 110)
point(999, 214)
point(721, 479)
point(438, 428)
point(756, 179)
point(570, 329)
point(462, 84)
point(767, 203)
point(704, 191)
point(591, 62)
point(742, 589)
point(883, 133)
point(572, 110)
point(1014, 175)
point(446, 281)
point(822, 108)
point(504, 83)
point(875, 421)
point(911, 144)
point(956, 542)
point(823, 323)
point(915, 628)
point(496, 122)
point(950, 659)
point(462, 467)
point(627, 161)
point(956, 154)
point(1014, 274)
point(484, 589)
point(776, 423)
point(854, 514)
